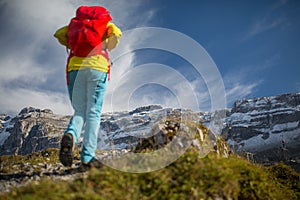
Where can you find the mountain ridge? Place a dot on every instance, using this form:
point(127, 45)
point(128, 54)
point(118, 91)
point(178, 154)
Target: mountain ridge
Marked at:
point(207, 170)
point(267, 127)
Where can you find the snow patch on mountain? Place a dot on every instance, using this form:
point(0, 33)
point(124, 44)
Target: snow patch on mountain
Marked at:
point(262, 125)
point(4, 133)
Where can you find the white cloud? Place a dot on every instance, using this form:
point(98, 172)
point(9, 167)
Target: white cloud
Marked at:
point(263, 25)
point(147, 84)
point(269, 21)
point(32, 64)
point(279, 4)
point(129, 14)
point(188, 93)
point(25, 67)
point(239, 91)
point(13, 100)
point(297, 86)
point(241, 83)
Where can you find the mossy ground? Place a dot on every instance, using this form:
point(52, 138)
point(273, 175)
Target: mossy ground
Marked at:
point(190, 177)
point(16, 163)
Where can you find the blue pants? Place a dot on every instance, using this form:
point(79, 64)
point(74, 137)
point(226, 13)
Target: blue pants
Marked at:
point(86, 89)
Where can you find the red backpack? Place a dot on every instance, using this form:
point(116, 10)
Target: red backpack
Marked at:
point(86, 30)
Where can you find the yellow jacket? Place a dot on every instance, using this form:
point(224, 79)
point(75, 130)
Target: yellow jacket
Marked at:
point(98, 62)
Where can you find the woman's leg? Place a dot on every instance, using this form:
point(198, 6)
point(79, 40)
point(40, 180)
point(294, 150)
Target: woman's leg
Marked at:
point(96, 86)
point(77, 90)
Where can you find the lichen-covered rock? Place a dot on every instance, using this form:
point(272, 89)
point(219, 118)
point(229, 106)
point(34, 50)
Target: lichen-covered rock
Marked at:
point(183, 131)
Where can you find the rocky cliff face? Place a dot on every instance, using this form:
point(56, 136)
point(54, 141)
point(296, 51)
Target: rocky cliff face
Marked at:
point(35, 130)
point(267, 127)
point(30, 131)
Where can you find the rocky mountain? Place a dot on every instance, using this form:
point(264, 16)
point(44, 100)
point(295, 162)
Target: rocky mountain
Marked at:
point(34, 130)
point(30, 131)
point(267, 128)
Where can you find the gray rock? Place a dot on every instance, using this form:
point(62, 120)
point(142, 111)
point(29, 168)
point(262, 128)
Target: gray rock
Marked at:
point(263, 125)
point(33, 130)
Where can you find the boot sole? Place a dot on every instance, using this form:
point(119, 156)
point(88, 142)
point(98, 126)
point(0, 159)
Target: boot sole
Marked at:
point(66, 150)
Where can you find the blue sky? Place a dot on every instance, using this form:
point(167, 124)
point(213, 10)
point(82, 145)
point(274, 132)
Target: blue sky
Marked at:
point(257, 39)
point(255, 46)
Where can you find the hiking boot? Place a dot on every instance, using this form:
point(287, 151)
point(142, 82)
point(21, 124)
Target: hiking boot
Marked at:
point(66, 150)
point(84, 166)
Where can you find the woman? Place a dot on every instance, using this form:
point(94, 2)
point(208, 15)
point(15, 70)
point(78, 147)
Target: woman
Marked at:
point(87, 73)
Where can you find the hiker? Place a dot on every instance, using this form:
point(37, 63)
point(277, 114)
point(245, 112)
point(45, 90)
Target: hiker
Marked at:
point(282, 144)
point(88, 38)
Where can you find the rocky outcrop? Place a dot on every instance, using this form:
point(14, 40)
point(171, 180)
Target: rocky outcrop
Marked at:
point(30, 131)
point(268, 127)
point(154, 127)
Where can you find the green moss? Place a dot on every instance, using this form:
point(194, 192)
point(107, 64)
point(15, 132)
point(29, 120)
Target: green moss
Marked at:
point(190, 177)
point(16, 163)
point(284, 175)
